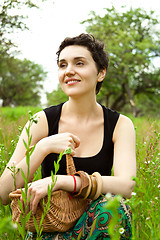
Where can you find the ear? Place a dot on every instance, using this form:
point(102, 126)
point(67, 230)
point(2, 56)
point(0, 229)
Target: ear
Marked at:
point(101, 75)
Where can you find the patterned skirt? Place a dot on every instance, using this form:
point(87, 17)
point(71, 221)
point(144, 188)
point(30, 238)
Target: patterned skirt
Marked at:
point(93, 224)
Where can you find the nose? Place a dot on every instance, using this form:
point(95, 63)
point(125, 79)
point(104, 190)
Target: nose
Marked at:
point(70, 70)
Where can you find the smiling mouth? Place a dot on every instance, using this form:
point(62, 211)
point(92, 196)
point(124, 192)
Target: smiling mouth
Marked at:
point(72, 81)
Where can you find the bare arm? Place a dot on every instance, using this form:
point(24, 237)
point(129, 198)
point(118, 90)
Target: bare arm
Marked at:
point(19, 160)
point(124, 162)
point(44, 146)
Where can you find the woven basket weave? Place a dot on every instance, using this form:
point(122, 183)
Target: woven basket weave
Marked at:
point(63, 213)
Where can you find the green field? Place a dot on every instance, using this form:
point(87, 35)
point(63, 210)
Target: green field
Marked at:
point(146, 197)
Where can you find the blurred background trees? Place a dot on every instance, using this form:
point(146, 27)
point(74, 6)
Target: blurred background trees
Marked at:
point(20, 80)
point(132, 39)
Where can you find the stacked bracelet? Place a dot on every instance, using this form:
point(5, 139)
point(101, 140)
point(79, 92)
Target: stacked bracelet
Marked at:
point(85, 184)
point(99, 185)
point(91, 186)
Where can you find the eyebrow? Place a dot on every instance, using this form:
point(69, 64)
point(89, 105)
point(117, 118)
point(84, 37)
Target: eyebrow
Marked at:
point(76, 58)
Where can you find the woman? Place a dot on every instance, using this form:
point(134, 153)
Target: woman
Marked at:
point(98, 137)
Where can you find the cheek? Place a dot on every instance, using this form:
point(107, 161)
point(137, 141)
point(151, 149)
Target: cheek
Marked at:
point(89, 73)
point(60, 76)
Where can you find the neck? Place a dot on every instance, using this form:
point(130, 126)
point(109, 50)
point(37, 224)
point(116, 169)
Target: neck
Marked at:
point(82, 107)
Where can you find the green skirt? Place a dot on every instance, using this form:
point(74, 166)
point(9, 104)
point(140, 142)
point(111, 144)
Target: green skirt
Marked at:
point(93, 224)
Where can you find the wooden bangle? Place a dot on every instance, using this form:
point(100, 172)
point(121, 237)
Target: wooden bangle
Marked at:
point(85, 183)
point(93, 188)
point(86, 191)
point(99, 185)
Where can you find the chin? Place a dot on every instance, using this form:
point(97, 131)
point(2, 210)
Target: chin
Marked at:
point(73, 93)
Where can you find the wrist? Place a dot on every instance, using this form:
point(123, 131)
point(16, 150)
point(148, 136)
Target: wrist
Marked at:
point(67, 183)
point(41, 146)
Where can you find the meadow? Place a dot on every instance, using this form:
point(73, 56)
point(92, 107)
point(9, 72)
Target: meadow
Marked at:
point(145, 202)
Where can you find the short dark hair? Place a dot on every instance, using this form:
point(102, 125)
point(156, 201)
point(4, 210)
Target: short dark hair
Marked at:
point(96, 48)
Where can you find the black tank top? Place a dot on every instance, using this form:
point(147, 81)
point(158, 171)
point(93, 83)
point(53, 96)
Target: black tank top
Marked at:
point(101, 162)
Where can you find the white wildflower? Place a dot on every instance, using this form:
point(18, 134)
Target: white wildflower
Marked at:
point(108, 196)
point(147, 162)
point(133, 194)
point(14, 225)
point(121, 230)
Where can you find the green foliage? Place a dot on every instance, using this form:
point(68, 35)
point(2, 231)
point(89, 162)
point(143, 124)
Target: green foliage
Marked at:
point(132, 40)
point(20, 82)
point(11, 122)
point(25, 216)
point(114, 226)
point(14, 171)
point(7, 228)
point(145, 199)
point(11, 19)
point(56, 97)
point(15, 113)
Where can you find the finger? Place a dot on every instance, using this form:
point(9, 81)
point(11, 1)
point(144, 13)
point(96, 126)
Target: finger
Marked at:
point(34, 199)
point(30, 204)
point(35, 204)
point(72, 145)
point(76, 141)
point(30, 197)
point(18, 191)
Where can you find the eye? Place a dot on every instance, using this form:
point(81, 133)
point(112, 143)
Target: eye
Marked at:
point(80, 63)
point(62, 64)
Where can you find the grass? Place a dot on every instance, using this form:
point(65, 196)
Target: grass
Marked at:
point(146, 197)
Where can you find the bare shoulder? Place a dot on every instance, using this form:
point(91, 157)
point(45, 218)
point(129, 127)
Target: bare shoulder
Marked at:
point(124, 127)
point(41, 116)
point(41, 126)
point(38, 131)
point(38, 128)
point(124, 120)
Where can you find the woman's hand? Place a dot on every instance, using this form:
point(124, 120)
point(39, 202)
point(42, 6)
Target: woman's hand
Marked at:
point(37, 190)
point(59, 142)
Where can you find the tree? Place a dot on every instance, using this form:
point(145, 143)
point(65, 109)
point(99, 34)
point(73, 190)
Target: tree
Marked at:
point(11, 20)
point(20, 82)
point(56, 97)
point(132, 38)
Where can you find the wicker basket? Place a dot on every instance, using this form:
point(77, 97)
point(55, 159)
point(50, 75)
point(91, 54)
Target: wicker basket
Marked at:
point(63, 213)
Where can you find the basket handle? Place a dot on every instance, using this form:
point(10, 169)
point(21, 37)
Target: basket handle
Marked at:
point(70, 167)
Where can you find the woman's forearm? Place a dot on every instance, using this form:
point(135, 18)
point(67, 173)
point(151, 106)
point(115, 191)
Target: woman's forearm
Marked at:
point(111, 184)
point(118, 185)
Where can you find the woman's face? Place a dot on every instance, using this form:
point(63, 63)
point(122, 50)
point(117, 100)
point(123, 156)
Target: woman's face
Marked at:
point(77, 71)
